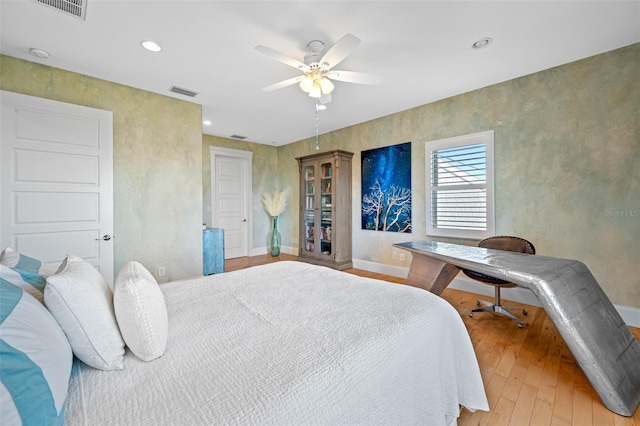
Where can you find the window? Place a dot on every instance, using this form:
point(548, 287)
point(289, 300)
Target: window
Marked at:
point(460, 186)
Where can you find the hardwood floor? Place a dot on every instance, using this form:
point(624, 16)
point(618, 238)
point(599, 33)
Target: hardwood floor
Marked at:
point(530, 376)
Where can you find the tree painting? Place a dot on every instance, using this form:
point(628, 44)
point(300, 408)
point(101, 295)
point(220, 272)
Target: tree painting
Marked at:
point(386, 188)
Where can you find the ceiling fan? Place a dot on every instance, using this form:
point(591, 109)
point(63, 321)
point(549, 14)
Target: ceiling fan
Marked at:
point(318, 68)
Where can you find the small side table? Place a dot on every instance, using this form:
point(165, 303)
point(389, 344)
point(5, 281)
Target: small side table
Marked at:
point(212, 251)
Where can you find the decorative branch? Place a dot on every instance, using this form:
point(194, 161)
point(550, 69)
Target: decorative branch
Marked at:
point(275, 202)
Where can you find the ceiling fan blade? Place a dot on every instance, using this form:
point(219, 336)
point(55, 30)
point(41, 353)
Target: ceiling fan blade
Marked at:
point(354, 77)
point(281, 57)
point(340, 50)
point(284, 83)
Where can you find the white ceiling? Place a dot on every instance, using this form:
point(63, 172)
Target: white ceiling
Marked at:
point(422, 50)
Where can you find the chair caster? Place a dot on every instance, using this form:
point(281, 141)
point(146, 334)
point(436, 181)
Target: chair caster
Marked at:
point(520, 325)
point(471, 314)
point(478, 303)
point(524, 312)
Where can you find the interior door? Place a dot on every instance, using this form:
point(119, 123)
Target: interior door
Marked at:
point(231, 199)
point(56, 180)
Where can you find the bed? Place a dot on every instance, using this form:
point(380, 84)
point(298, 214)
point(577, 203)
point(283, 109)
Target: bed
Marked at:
point(290, 343)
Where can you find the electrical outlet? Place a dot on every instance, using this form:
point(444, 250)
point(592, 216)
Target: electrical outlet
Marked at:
point(401, 257)
point(161, 271)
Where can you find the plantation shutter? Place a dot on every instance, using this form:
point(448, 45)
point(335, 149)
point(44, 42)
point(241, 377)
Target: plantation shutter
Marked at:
point(458, 197)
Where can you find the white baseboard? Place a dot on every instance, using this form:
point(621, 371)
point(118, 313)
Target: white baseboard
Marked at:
point(381, 268)
point(630, 315)
point(515, 294)
point(258, 251)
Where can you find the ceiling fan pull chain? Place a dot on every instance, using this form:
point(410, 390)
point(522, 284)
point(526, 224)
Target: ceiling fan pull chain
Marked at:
point(317, 137)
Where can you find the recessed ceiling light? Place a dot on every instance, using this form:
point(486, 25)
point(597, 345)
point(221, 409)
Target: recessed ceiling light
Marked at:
point(207, 122)
point(482, 43)
point(151, 46)
point(40, 53)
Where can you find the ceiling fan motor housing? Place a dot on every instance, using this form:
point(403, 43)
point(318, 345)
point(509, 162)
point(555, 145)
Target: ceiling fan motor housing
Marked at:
point(316, 49)
point(313, 59)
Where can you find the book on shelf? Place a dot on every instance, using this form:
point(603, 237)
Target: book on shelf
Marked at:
point(308, 173)
point(309, 232)
point(325, 233)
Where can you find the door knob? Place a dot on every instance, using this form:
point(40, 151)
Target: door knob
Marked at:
point(105, 237)
point(244, 220)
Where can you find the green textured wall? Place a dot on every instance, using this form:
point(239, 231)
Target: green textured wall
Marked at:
point(567, 164)
point(156, 164)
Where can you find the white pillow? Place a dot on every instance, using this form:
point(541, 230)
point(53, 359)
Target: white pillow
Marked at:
point(81, 301)
point(36, 361)
point(141, 311)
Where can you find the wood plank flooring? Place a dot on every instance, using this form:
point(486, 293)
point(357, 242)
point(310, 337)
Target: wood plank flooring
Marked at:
point(530, 376)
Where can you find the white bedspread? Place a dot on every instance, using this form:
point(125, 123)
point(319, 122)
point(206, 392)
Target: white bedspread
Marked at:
point(290, 343)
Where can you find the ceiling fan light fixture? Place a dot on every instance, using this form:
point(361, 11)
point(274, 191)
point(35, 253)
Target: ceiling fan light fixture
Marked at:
point(315, 91)
point(306, 84)
point(326, 86)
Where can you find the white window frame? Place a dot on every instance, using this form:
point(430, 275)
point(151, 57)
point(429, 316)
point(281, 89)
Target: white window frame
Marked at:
point(485, 138)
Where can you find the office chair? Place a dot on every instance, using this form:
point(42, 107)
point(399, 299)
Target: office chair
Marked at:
point(506, 243)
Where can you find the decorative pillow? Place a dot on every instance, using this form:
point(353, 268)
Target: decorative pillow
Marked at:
point(13, 259)
point(80, 299)
point(28, 281)
point(141, 311)
point(36, 361)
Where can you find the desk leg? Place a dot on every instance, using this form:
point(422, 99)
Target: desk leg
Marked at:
point(430, 274)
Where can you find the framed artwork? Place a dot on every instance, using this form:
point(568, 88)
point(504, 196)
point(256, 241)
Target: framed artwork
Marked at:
point(386, 188)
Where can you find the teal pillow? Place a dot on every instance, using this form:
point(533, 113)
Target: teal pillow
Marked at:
point(35, 361)
point(32, 283)
point(16, 260)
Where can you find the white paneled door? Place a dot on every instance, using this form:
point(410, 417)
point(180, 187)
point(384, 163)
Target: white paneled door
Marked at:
point(56, 180)
point(231, 198)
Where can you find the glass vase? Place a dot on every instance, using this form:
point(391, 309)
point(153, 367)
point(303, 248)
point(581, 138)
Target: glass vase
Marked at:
point(274, 244)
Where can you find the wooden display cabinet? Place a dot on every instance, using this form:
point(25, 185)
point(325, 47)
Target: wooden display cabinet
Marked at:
point(325, 209)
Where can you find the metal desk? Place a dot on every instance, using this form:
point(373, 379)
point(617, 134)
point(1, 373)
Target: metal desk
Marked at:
point(588, 322)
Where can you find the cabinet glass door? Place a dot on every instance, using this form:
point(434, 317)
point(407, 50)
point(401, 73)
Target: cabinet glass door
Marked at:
point(310, 212)
point(326, 208)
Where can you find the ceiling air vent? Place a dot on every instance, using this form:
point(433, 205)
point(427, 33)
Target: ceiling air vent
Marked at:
point(238, 137)
point(77, 8)
point(183, 91)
